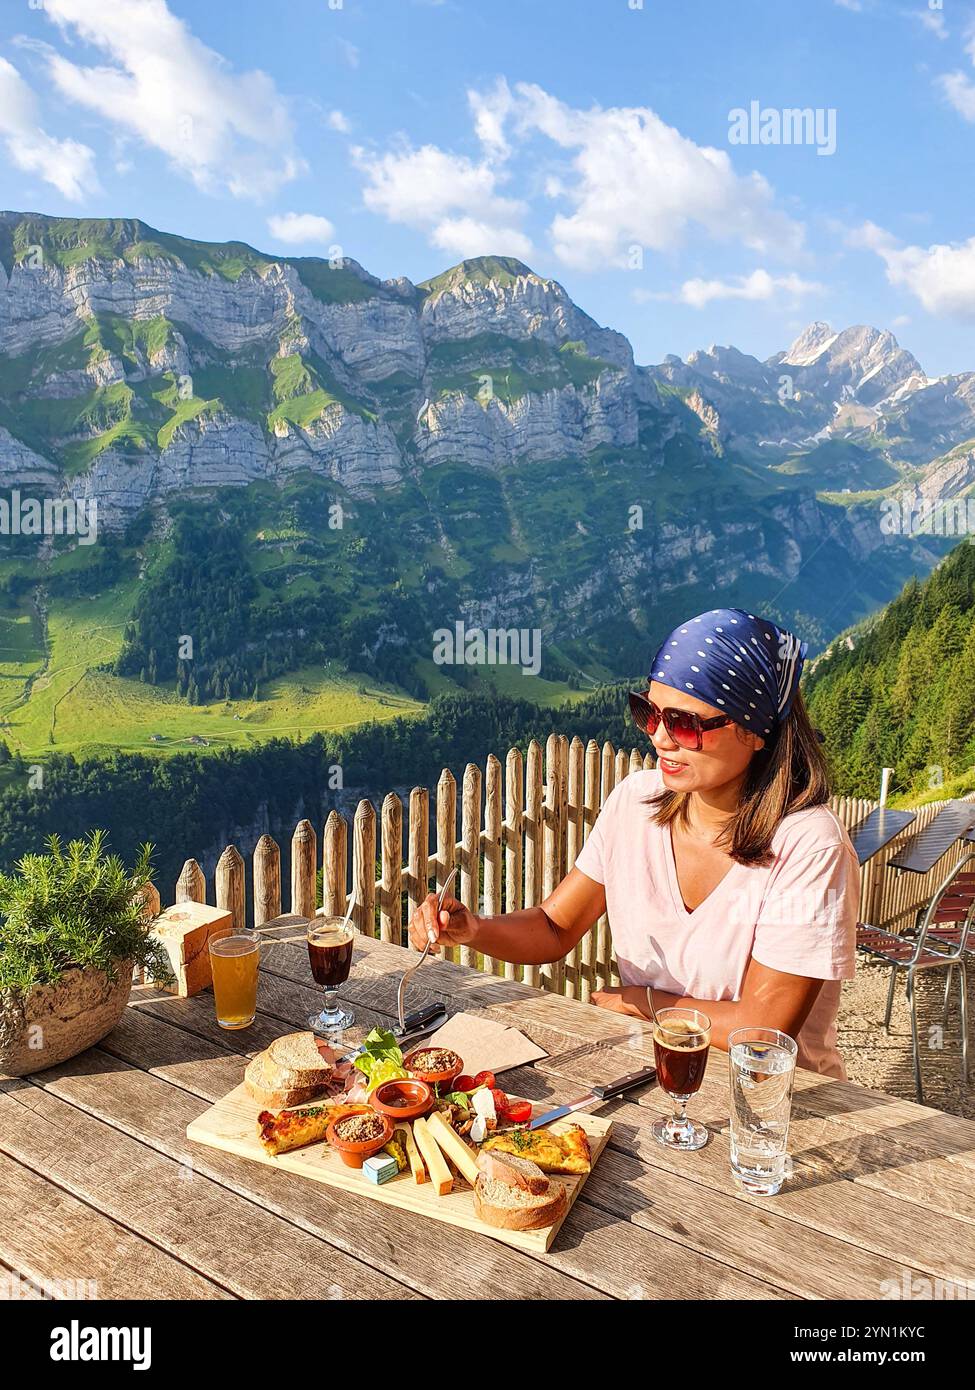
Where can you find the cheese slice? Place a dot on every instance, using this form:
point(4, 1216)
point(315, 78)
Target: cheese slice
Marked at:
point(436, 1164)
point(454, 1147)
point(405, 1135)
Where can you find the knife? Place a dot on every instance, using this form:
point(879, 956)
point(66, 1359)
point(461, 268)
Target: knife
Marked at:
point(604, 1092)
point(421, 1021)
point(429, 1024)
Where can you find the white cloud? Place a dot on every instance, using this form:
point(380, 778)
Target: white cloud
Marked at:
point(959, 91)
point(349, 53)
point(466, 236)
point(337, 120)
point(942, 277)
point(933, 20)
point(219, 128)
point(758, 287)
point(639, 181)
point(453, 199)
point(297, 228)
point(66, 164)
point(491, 110)
point(632, 180)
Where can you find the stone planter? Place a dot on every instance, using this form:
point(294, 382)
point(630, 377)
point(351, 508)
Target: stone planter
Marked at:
point(55, 1022)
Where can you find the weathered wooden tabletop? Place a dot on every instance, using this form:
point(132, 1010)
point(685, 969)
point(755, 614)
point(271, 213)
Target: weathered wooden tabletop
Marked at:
point(99, 1183)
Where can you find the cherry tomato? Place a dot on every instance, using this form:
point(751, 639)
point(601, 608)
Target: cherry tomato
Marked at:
point(500, 1103)
point(519, 1112)
point(464, 1083)
point(485, 1078)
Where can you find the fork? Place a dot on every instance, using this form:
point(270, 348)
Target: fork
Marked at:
point(401, 991)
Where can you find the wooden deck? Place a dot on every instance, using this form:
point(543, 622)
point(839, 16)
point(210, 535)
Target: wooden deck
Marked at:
point(98, 1181)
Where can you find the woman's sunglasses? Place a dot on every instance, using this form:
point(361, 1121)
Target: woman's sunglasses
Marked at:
point(684, 727)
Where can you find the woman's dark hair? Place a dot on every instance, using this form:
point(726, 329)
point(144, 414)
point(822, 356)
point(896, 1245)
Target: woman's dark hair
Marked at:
point(789, 774)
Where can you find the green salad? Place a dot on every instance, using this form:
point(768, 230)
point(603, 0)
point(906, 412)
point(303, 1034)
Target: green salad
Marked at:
point(381, 1059)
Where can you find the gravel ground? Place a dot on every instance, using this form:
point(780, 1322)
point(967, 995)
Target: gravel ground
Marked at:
point(882, 1060)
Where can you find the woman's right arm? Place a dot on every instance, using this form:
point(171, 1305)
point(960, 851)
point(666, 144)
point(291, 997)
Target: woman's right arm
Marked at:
point(531, 936)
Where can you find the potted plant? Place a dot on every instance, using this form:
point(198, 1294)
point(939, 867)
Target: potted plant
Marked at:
point(73, 924)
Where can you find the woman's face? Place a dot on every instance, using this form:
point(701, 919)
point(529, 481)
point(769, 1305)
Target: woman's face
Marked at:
point(724, 753)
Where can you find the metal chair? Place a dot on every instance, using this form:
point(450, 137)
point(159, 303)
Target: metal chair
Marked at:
point(939, 941)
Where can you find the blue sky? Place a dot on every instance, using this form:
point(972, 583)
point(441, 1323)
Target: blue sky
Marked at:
point(589, 137)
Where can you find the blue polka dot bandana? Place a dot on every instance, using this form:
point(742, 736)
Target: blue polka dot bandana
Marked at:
point(743, 665)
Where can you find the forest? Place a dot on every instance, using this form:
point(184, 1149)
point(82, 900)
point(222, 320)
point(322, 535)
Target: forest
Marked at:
point(900, 692)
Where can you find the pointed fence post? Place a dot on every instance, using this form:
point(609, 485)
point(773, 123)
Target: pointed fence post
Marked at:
point(304, 863)
point(229, 886)
point(470, 859)
point(534, 840)
point(514, 829)
point(191, 886)
point(446, 838)
point(418, 874)
point(491, 840)
point(390, 898)
point(266, 880)
point(335, 859)
point(364, 867)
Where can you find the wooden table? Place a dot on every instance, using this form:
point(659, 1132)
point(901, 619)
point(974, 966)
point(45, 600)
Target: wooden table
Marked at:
point(98, 1182)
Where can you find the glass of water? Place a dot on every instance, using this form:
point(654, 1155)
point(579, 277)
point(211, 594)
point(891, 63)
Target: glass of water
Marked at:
point(762, 1064)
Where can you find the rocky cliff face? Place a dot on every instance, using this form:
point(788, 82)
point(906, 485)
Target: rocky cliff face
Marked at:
point(138, 367)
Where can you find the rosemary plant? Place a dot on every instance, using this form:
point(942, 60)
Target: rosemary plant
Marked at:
point(75, 906)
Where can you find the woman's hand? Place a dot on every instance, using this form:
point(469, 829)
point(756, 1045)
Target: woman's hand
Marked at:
point(456, 926)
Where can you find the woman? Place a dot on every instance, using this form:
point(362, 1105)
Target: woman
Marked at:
point(729, 884)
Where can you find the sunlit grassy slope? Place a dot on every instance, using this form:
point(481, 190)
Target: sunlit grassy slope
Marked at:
point(67, 703)
point(61, 698)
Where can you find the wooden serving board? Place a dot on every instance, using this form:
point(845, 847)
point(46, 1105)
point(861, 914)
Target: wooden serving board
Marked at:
point(231, 1125)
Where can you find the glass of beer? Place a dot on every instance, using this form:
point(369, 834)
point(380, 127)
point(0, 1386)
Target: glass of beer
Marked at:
point(234, 960)
point(681, 1039)
point(330, 955)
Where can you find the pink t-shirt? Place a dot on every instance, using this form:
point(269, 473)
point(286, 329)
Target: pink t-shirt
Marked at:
point(797, 914)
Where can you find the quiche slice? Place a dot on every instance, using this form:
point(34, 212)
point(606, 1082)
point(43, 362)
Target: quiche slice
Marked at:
point(292, 1129)
point(554, 1153)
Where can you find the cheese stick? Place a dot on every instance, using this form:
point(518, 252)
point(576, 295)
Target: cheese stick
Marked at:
point(436, 1164)
point(454, 1147)
point(405, 1135)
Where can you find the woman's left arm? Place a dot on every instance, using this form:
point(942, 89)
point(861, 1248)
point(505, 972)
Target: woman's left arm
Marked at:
point(769, 999)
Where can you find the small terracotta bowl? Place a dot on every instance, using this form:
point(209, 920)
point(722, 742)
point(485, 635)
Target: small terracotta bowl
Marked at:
point(417, 1093)
point(353, 1152)
point(433, 1078)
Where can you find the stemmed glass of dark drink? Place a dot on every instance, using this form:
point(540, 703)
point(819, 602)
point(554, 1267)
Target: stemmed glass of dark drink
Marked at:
point(681, 1039)
point(330, 953)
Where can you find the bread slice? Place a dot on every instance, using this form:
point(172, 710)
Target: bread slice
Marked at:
point(262, 1081)
point(297, 1061)
point(514, 1209)
point(514, 1171)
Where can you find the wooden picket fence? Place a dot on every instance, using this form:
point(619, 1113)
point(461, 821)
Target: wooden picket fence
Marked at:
point(521, 829)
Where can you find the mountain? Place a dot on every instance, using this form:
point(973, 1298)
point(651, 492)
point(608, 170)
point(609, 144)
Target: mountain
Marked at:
point(306, 471)
point(899, 689)
point(856, 388)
